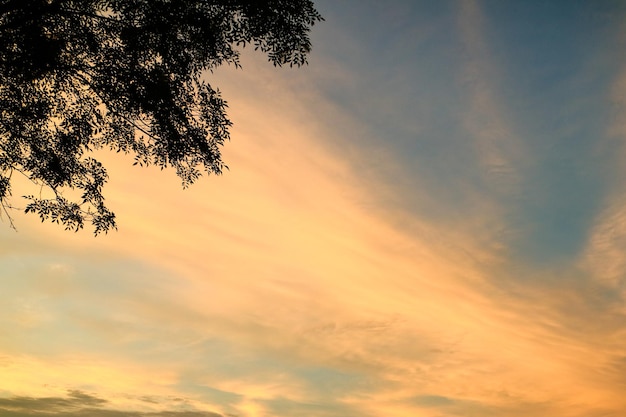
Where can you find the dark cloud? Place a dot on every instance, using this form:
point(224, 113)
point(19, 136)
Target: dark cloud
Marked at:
point(84, 399)
point(149, 400)
point(433, 401)
point(99, 412)
point(287, 407)
point(75, 399)
point(79, 404)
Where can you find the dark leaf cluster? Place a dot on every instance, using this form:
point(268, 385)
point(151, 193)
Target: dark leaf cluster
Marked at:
point(80, 75)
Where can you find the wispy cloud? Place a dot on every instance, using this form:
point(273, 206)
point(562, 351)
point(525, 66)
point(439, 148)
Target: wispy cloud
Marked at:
point(604, 255)
point(497, 160)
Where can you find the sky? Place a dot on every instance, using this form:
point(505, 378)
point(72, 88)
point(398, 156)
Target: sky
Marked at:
point(428, 220)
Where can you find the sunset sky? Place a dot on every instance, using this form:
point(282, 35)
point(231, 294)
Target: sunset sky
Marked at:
point(429, 220)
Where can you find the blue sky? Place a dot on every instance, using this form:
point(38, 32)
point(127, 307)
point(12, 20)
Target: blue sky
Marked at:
point(427, 220)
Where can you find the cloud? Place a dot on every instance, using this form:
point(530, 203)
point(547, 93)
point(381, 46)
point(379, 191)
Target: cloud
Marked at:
point(75, 399)
point(498, 148)
point(80, 404)
point(604, 255)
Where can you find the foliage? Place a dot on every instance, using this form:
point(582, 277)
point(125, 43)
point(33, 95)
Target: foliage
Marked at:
point(79, 75)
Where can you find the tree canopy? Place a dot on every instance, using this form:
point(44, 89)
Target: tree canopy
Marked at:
point(80, 75)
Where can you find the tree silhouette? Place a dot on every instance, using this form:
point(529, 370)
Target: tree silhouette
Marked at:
point(79, 75)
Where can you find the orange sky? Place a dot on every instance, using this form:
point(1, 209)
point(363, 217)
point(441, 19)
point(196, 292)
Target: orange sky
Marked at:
point(328, 272)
